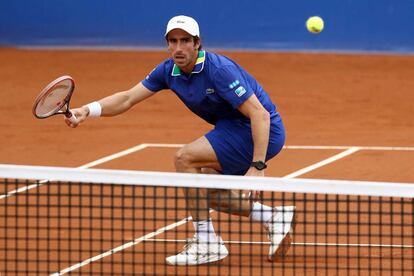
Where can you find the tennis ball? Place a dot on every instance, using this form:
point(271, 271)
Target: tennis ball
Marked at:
point(314, 24)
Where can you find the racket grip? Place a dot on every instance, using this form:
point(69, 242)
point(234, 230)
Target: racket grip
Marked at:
point(71, 117)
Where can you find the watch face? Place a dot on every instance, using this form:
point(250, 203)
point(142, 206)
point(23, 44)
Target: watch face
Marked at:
point(260, 165)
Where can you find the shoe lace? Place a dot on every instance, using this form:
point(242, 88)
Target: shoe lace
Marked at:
point(191, 247)
point(273, 224)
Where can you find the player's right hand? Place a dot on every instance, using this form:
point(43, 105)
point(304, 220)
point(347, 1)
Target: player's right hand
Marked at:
point(80, 113)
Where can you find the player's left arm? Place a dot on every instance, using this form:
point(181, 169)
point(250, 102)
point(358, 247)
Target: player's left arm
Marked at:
point(260, 124)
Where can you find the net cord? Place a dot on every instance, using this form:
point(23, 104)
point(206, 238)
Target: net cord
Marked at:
point(275, 184)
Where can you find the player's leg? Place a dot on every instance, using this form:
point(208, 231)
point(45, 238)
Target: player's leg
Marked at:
point(233, 145)
point(200, 157)
point(205, 246)
point(228, 201)
point(192, 158)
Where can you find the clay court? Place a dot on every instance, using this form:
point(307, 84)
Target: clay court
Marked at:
point(358, 105)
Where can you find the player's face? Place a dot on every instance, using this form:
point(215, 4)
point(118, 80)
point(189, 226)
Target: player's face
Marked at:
point(183, 49)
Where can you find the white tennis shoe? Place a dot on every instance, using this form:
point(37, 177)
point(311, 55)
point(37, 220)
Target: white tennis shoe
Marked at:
point(198, 252)
point(279, 229)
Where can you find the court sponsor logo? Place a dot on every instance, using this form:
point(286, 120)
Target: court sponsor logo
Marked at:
point(240, 91)
point(234, 84)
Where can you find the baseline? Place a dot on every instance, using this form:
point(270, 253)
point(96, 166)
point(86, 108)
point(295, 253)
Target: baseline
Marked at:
point(316, 147)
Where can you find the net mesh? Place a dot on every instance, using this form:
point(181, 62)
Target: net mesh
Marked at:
point(102, 227)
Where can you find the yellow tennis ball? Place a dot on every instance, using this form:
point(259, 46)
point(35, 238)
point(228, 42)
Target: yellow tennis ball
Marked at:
point(314, 24)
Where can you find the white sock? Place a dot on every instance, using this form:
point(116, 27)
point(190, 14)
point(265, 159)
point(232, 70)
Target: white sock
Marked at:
point(260, 212)
point(205, 230)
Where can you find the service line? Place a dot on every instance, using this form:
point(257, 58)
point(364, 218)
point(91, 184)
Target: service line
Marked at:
point(85, 166)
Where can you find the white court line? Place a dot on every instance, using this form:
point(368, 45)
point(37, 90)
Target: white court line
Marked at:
point(124, 246)
point(323, 162)
point(328, 244)
point(88, 165)
point(348, 147)
point(121, 247)
point(174, 225)
point(160, 145)
point(114, 156)
point(157, 145)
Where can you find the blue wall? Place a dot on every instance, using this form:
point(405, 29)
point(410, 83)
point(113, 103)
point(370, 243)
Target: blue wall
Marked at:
point(351, 25)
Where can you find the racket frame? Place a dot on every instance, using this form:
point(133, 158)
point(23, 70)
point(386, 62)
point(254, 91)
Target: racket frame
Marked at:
point(64, 103)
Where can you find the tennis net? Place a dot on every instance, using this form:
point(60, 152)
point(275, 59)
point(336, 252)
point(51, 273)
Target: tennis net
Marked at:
point(57, 221)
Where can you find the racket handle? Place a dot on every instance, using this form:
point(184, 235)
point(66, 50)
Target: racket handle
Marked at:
point(71, 117)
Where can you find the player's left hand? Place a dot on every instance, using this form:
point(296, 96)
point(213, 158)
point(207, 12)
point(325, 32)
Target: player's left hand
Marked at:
point(254, 195)
point(254, 172)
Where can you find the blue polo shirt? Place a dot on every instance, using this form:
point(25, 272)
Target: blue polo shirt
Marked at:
point(214, 90)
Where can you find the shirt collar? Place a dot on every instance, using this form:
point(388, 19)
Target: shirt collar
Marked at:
point(198, 67)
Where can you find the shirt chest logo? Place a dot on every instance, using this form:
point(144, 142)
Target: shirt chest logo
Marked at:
point(210, 91)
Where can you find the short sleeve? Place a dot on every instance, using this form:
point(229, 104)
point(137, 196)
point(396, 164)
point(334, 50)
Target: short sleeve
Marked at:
point(155, 80)
point(232, 85)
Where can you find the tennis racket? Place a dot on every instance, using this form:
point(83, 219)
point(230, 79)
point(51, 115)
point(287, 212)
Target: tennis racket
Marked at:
point(54, 99)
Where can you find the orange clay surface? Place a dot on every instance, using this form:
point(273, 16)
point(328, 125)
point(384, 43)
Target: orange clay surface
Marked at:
point(324, 99)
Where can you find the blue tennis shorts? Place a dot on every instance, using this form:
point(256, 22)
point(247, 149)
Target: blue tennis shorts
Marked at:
point(232, 142)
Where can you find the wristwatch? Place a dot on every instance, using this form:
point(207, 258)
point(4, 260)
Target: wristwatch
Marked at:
point(259, 165)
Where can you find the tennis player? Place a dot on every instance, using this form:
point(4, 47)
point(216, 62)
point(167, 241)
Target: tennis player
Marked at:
point(248, 131)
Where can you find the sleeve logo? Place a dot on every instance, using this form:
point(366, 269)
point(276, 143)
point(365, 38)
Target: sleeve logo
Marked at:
point(234, 84)
point(240, 91)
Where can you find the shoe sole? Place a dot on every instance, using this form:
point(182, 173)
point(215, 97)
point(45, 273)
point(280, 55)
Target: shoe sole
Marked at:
point(201, 262)
point(285, 244)
point(198, 263)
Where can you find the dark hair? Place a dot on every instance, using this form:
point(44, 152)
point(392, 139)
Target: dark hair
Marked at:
point(195, 40)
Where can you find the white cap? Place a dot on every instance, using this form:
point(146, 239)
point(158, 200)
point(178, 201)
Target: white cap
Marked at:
point(185, 23)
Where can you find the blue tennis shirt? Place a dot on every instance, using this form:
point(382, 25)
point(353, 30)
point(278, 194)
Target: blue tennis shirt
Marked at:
point(214, 90)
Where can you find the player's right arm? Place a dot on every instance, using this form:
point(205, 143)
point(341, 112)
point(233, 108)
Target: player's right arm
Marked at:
point(120, 102)
point(114, 104)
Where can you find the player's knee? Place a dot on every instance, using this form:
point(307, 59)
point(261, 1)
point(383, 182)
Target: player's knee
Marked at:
point(182, 160)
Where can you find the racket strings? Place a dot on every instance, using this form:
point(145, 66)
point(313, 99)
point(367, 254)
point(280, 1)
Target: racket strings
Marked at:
point(54, 99)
